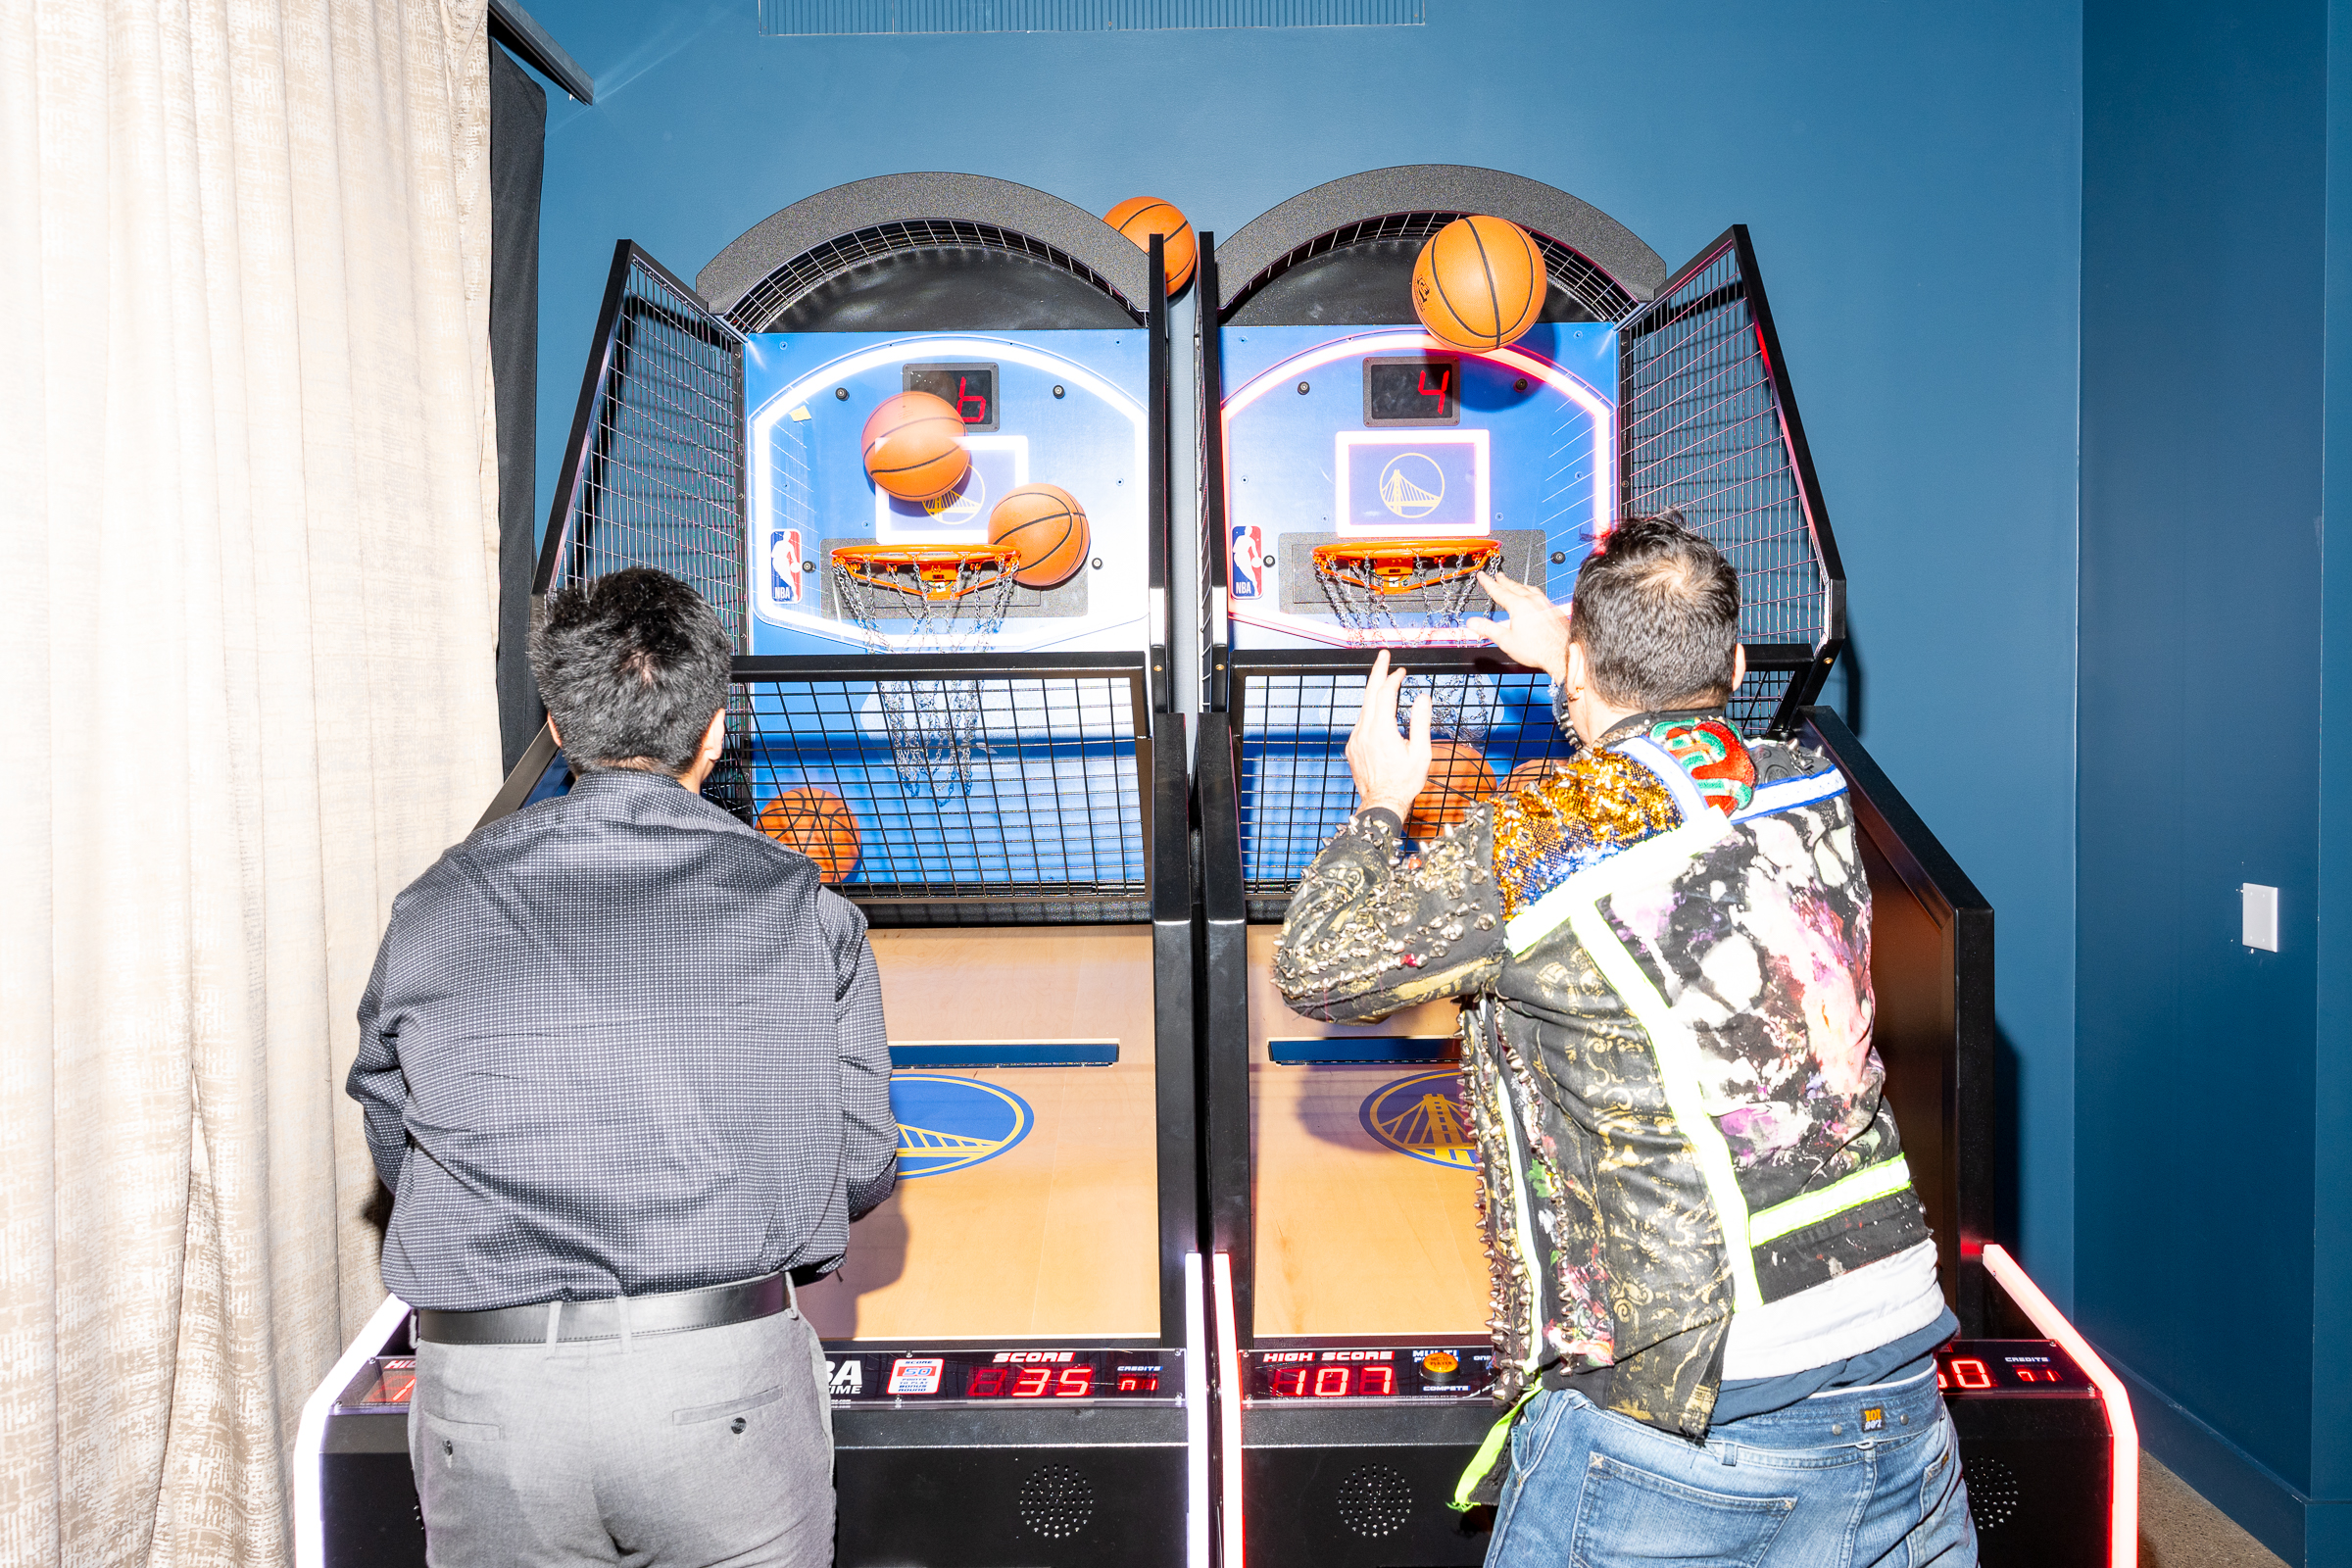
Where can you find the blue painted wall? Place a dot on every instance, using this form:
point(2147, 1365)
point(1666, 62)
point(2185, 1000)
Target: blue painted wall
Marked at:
point(2205, 244)
point(1911, 176)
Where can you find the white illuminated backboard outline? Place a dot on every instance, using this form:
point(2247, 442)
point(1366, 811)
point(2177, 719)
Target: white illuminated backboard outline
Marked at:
point(1406, 442)
point(1265, 612)
point(1124, 582)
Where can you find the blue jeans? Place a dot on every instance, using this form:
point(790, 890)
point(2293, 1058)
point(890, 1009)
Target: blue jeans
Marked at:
point(1856, 1477)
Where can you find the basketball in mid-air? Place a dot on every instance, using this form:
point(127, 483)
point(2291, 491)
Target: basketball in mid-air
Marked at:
point(1479, 284)
point(819, 824)
point(1048, 526)
point(1536, 770)
point(1138, 218)
point(914, 446)
point(1458, 779)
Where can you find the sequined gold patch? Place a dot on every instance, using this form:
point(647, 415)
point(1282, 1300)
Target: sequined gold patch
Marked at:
point(1599, 804)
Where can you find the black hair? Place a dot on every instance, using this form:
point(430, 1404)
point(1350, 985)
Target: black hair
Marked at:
point(1657, 611)
point(631, 667)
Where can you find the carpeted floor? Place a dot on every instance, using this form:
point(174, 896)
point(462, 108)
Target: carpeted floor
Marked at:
point(2179, 1529)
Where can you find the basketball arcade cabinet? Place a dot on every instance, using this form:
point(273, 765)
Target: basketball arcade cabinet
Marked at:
point(1007, 1344)
point(1634, 392)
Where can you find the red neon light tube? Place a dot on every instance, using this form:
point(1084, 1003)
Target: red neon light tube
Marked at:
point(1229, 1405)
point(2122, 1525)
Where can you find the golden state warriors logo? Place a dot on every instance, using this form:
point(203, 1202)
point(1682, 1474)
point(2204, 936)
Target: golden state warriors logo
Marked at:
point(947, 1123)
point(1426, 1116)
point(1413, 484)
point(964, 502)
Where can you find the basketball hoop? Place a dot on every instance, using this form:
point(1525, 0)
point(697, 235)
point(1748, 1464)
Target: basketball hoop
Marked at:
point(1372, 584)
point(930, 599)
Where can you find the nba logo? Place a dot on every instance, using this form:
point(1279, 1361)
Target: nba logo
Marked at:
point(784, 564)
point(1248, 562)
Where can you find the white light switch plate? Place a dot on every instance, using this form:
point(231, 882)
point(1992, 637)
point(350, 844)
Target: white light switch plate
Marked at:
point(2259, 917)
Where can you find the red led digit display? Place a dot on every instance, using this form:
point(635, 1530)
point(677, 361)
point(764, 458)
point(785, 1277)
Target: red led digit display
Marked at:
point(1970, 1373)
point(988, 1382)
point(1289, 1382)
point(1075, 1383)
point(1138, 1383)
point(1030, 1382)
point(1330, 1382)
point(1378, 1379)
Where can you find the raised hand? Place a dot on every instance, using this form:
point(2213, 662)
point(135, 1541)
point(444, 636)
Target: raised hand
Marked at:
point(1390, 769)
point(1535, 635)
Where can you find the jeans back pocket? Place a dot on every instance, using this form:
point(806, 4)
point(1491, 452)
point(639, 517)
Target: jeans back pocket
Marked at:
point(1629, 1515)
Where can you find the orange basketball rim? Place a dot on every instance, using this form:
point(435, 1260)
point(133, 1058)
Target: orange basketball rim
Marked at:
point(934, 573)
point(1388, 566)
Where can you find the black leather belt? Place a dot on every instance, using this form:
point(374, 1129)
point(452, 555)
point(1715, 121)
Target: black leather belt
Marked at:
point(565, 1322)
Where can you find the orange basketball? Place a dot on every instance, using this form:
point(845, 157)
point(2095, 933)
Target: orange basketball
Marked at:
point(1527, 776)
point(914, 446)
point(1138, 218)
point(819, 824)
point(1458, 779)
point(1479, 284)
point(1048, 526)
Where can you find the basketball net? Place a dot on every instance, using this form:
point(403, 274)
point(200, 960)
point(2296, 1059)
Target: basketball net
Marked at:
point(1373, 584)
point(928, 599)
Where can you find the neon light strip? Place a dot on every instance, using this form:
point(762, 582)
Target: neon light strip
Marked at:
point(1229, 1411)
point(2123, 1527)
point(310, 1437)
point(763, 419)
point(1195, 1416)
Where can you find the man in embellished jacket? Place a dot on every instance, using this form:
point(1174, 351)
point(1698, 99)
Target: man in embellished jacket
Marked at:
point(1715, 1296)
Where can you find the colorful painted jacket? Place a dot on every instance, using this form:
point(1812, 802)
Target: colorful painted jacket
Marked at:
point(1686, 1174)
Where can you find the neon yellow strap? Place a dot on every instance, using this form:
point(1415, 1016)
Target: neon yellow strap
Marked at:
point(1811, 1209)
point(1483, 1460)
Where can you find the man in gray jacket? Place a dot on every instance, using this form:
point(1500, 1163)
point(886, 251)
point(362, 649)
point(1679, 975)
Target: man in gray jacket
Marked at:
point(624, 1067)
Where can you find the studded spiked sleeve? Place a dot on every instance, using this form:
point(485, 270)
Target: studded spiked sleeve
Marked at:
point(1372, 930)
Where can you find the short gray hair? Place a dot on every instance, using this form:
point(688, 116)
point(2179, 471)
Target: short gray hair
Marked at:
point(1657, 611)
point(631, 667)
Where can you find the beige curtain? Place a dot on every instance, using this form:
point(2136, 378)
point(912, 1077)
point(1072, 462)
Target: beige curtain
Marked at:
point(247, 533)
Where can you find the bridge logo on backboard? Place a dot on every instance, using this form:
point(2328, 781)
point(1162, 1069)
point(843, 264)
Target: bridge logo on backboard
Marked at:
point(947, 1123)
point(1426, 1116)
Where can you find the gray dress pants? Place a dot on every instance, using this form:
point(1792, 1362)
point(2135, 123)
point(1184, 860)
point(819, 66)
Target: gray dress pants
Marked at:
point(677, 1451)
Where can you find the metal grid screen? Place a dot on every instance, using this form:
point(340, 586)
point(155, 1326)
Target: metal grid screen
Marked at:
point(1586, 283)
point(768, 299)
point(803, 18)
point(1050, 827)
point(1295, 790)
point(656, 472)
point(1704, 431)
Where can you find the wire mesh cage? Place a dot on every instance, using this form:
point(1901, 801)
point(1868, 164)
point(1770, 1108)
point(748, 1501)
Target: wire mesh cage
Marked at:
point(1708, 429)
point(766, 302)
point(1049, 825)
point(1296, 791)
point(653, 473)
point(1598, 293)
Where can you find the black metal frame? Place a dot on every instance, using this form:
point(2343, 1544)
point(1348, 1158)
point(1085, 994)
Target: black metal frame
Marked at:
point(1935, 1030)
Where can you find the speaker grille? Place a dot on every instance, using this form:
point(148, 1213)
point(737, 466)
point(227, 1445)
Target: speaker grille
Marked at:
point(1992, 1492)
point(1057, 1502)
point(1375, 1501)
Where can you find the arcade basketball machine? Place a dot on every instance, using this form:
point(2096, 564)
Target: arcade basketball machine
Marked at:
point(951, 694)
point(1356, 472)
